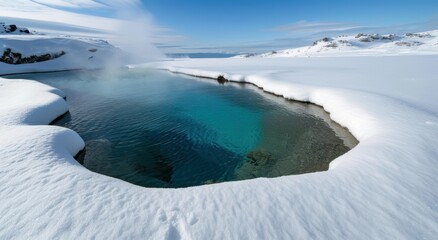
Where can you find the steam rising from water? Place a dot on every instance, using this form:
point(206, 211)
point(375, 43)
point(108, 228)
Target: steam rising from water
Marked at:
point(124, 23)
point(134, 34)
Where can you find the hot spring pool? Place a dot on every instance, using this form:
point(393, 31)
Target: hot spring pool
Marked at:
point(156, 129)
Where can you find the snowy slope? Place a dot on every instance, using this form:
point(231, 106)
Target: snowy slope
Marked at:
point(124, 26)
point(53, 52)
point(384, 188)
point(51, 16)
point(363, 44)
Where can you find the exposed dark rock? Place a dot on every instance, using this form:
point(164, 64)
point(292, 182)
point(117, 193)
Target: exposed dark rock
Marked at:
point(93, 50)
point(326, 39)
point(7, 51)
point(407, 44)
point(360, 35)
point(11, 57)
point(375, 36)
point(221, 79)
point(344, 42)
point(365, 39)
point(419, 35)
point(12, 29)
point(388, 37)
point(249, 55)
point(332, 45)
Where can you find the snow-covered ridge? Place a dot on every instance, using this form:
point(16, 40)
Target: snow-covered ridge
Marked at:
point(363, 44)
point(33, 52)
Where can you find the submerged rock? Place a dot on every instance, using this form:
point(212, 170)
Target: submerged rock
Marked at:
point(80, 156)
point(259, 158)
point(160, 170)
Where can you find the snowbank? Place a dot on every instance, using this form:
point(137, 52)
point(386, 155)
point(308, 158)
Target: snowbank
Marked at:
point(64, 53)
point(385, 188)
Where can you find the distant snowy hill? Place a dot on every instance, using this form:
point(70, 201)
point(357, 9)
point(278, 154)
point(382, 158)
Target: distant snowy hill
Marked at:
point(22, 50)
point(363, 44)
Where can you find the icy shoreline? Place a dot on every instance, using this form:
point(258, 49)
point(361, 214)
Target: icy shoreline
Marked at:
point(383, 188)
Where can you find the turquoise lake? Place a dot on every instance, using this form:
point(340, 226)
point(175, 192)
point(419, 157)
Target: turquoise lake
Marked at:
point(157, 129)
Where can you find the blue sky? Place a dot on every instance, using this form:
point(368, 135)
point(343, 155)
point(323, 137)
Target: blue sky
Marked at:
point(236, 26)
point(251, 26)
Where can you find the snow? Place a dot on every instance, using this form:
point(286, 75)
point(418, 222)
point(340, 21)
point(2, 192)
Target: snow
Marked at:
point(56, 26)
point(363, 45)
point(80, 53)
point(12, 29)
point(383, 188)
point(48, 17)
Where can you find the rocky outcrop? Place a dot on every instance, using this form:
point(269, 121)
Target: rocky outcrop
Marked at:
point(407, 44)
point(326, 39)
point(12, 29)
point(373, 37)
point(221, 79)
point(418, 35)
point(11, 57)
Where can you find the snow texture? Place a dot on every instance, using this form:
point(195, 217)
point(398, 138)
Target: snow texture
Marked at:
point(77, 53)
point(125, 24)
point(384, 188)
point(49, 17)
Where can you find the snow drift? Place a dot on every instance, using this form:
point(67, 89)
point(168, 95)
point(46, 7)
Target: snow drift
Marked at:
point(383, 188)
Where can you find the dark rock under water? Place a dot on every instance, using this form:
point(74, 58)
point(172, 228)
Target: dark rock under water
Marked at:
point(161, 130)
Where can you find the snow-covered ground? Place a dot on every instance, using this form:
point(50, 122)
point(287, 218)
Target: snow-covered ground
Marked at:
point(51, 17)
point(64, 53)
point(385, 188)
point(363, 45)
point(49, 29)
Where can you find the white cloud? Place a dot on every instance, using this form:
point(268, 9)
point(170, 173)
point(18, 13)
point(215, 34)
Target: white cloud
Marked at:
point(70, 18)
point(71, 3)
point(302, 28)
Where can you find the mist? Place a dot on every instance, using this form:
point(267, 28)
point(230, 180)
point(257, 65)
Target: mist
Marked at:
point(134, 33)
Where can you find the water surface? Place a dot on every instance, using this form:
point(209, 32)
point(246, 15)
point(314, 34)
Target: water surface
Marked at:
point(156, 129)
